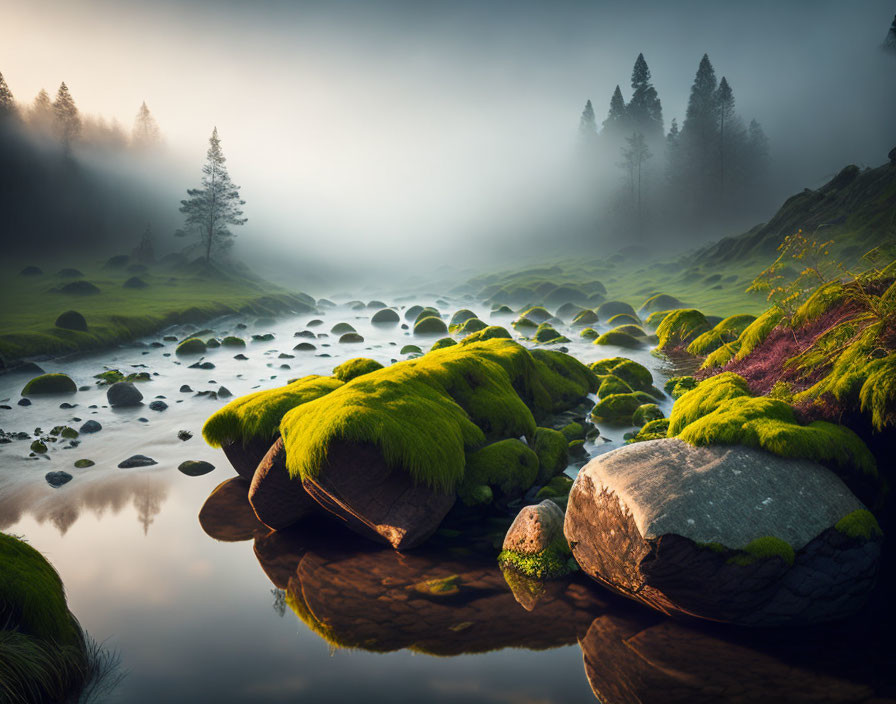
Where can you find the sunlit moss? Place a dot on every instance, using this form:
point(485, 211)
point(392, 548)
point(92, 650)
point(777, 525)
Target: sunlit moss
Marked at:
point(619, 339)
point(508, 466)
point(859, 524)
point(680, 327)
point(442, 343)
point(764, 548)
point(619, 408)
point(355, 367)
point(552, 450)
point(192, 345)
point(50, 384)
point(492, 332)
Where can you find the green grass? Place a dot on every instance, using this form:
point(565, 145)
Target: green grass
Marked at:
point(174, 295)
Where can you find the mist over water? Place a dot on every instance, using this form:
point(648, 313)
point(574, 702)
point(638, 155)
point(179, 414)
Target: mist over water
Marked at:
point(396, 134)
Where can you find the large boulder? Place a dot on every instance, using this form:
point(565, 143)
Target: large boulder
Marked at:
point(245, 456)
point(277, 499)
point(124, 393)
point(356, 485)
point(726, 533)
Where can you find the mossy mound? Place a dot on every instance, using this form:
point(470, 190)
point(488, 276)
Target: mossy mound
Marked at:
point(117, 262)
point(859, 524)
point(50, 384)
point(660, 302)
point(536, 314)
point(646, 413)
point(258, 415)
point(610, 385)
point(725, 332)
point(355, 367)
point(430, 326)
point(386, 316)
point(720, 410)
point(557, 487)
point(351, 338)
point(756, 332)
point(619, 339)
point(412, 312)
point(410, 349)
point(31, 271)
point(304, 347)
point(425, 414)
point(212, 343)
point(545, 334)
point(654, 319)
point(585, 317)
point(135, 282)
point(573, 431)
point(633, 330)
point(502, 310)
point(263, 337)
point(71, 320)
point(507, 468)
point(568, 311)
point(113, 376)
point(442, 343)
point(375, 303)
point(524, 326)
point(492, 332)
point(681, 327)
point(654, 430)
point(623, 319)
point(427, 312)
point(678, 386)
point(470, 326)
point(618, 409)
point(589, 334)
point(552, 449)
point(605, 366)
point(461, 316)
point(233, 341)
point(342, 328)
point(70, 273)
point(79, 288)
point(635, 375)
point(192, 345)
point(764, 548)
point(610, 308)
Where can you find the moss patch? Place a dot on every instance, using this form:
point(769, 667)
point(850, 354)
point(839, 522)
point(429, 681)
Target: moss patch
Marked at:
point(859, 524)
point(618, 409)
point(681, 327)
point(50, 384)
point(442, 343)
point(355, 367)
point(586, 317)
point(492, 332)
point(765, 548)
point(619, 339)
point(430, 325)
point(547, 335)
point(552, 562)
point(507, 467)
point(552, 449)
point(192, 345)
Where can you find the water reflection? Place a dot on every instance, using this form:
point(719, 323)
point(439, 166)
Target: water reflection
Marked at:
point(451, 602)
point(62, 507)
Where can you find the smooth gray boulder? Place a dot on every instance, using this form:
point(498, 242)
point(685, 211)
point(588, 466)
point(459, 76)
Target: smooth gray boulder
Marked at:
point(123, 393)
point(726, 533)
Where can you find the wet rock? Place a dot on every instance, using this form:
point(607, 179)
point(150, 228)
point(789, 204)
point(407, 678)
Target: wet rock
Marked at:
point(226, 514)
point(184, 435)
point(158, 406)
point(224, 392)
point(24, 401)
point(91, 426)
point(137, 461)
point(186, 389)
point(83, 464)
point(357, 485)
point(38, 447)
point(725, 533)
point(123, 394)
point(245, 457)
point(202, 365)
point(535, 528)
point(241, 357)
point(195, 468)
point(57, 479)
point(277, 499)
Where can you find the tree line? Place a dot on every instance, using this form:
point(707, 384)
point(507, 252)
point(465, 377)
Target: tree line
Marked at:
point(711, 166)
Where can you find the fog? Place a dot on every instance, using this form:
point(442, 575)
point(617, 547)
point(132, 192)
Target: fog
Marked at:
point(374, 132)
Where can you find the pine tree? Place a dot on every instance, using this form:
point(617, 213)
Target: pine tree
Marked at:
point(587, 123)
point(8, 109)
point(726, 117)
point(615, 124)
point(214, 207)
point(757, 152)
point(890, 40)
point(644, 111)
point(699, 138)
point(40, 116)
point(146, 132)
point(67, 119)
point(635, 155)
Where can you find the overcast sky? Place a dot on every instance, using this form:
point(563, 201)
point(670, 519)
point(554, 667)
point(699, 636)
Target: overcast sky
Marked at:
point(380, 125)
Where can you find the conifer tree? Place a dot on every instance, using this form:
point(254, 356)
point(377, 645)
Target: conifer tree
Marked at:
point(890, 40)
point(8, 108)
point(67, 118)
point(40, 116)
point(726, 117)
point(587, 123)
point(146, 132)
point(215, 206)
point(644, 111)
point(634, 157)
point(615, 124)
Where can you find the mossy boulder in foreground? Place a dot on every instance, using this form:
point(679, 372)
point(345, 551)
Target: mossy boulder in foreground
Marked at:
point(726, 533)
point(355, 368)
point(534, 545)
point(50, 384)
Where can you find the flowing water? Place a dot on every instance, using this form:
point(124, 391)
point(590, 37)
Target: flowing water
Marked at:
point(231, 613)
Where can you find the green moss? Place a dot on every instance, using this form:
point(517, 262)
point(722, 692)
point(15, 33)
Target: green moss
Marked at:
point(427, 312)
point(258, 415)
point(756, 332)
point(721, 356)
point(112, 376)
point(32, 598)
point(462, 316)
point(38, 447)
point(704, 398)
point(411, 349)
point(585, 317)
point(635, 375)
point(654, 319)
point(192, 345)
point(552, 449)
point(492, 332)
point(678, 386)
point(659, 303)
point(823, 298)
point(552, 562)
point(425, 414)
point(725, 332)
point(443, 586)
point(619, 339)
point(537, 314)
point(547, 335)
point(589, 334)
point(233, 341)
point(573, 431)
point(470, 326)
point(645, 413)
point(680, 327)
point(654, 430)
point(71, 320)
point(50, 384)
point(610, 308)
point(351, 338)
point(523, 325)
point(623, 319)
point(559, 486)
point(355, 367)
point(342, 328)
point(765, 548)
point(442, 343)
point(611, 384)
point(386, 315)
point(606, 366)
point(430, 326)
point(712, 546)
point(618, 409)
point(633, 330)
point(859, 524)
point(508, 466)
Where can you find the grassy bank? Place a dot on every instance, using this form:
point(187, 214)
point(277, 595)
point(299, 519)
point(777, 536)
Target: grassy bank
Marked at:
point(120, 303)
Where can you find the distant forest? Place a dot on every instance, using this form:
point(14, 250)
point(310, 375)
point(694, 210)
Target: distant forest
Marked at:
point(72, 180)
point(711, 169)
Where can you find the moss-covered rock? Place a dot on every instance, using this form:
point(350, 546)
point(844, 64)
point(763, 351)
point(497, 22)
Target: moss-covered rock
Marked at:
point(860, 524)
point(427, 312)
point(653, 430)
point(589, 334)
point(524, 326)
point(646, 413)
point(79, 288)
point(681, 327)
point(351, 338)
point(610, 308)
point(507, 467)
point(537, 314)
point(386, 316)
point(470, 326)
point(233, 341)
point(460, 317)
point(550, 563)
point(50, 384)
point(412, 312)
point(355, 367)
point(568, 311)
point(192, 345)
point(660, 302)
point(304, 347)
point(558, 487)
point(610, 385)
point(430, 326)
point(618, 409)
point(633, 330)
point(342, 328)
point(620, 339)
point(623, 319)
point(410, 349)
point(552, 449)
point(654, 319)
point(573, 431)
point(443, 342)
point(492, 332)
point(678, 386)
point(585, 317)
point(71, 320)
point(545, 334)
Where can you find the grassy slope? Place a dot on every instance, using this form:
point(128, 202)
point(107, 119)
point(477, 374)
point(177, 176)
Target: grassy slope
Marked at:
point(173, 295)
